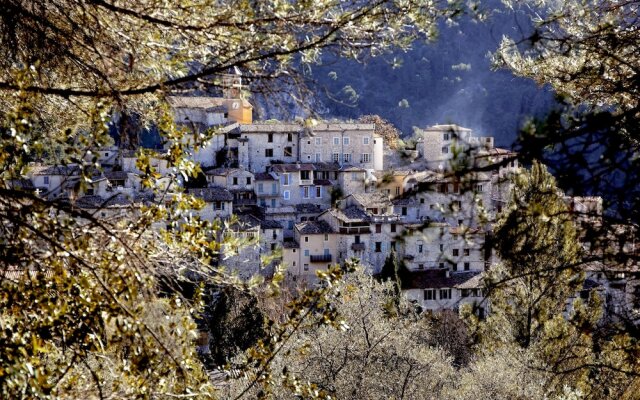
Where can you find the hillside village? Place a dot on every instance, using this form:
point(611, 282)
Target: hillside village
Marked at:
point(322, 194)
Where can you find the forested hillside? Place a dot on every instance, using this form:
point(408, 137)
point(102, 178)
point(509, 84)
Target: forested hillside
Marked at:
point(450, 80)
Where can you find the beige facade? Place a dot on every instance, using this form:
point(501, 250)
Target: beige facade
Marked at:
point(442, 144)
point(260, 145)
point(316, 249)
point(347, 144)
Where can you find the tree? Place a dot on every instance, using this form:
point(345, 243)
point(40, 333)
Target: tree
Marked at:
point(81, 313)
point(588, 52)
point(369, 354)
point(383, 128)
point(533, 293)
point(234, 323)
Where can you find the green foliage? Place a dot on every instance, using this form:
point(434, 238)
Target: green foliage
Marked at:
point(234, 323)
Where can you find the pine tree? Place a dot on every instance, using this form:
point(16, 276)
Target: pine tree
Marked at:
point(531, 291)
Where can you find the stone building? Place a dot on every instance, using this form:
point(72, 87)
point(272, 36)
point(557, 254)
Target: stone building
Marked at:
point(263, 144)
point(313, 248)
point(444, 144)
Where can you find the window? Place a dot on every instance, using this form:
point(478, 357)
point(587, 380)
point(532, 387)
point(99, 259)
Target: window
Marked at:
point(420, 247)
point(378, 228)
point(288, 151)
point(345, 141)
point(466, 252)
point(318, 157)
point(289, 137)
point(305, 175)
point(429, 294)
point(268, 152)
point(346, 157)
point(286, 194)
point(356, 239)
point(270, 138)
point(445, 294)
point(336, 157)
point(305, 192)
point(479, 188)
point(397, 190)
point(393, 245)
point(106, 154)
point(326, 237)
point(365, 158)
point(306, 239)
point(273, 202)
point(365, 140)
point(336, 141)
point(273, 246)
point(46, 180)
point(445, 136)
point(260, 187)
point(445, 149)
point(306, 267)
point(421, 201)
point(318, 191)
point(318, 141)
point(441, 265)
point(378, 247)
point(306, 253)
point(465, 293)
point(354, 176)
point(290, 226)
point(393, 228)
point(404, 210)
point(286, 179)
point(454, 266)
point(467, 266)
point(441, 247)
point(420, 266)
point(248, 180)
point(456, 205)
point(455, 252)
point(235, 180)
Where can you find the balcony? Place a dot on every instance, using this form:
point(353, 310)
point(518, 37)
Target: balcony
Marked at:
point(358, 247)
point(354, 230)
point(320, 258)
point(385, 218)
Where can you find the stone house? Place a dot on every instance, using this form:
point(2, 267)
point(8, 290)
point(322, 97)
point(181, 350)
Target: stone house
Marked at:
point(438, 245)
point(316, 249)
point(348, 144)
point(457, 202)
point(267, 189)
point(238, 181)
point(298, 186)
point(240, 246)
point(54, 181)
point(263, 144)
point(440, 289)
point(218, 202)
point(442, 144)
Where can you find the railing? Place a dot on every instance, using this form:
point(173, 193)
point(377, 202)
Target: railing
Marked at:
point(385, 218)
point(358, 246)
point(354, 230)
point(320, 258)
